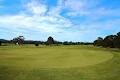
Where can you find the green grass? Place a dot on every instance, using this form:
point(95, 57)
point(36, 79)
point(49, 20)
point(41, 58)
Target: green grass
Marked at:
point(59, 63)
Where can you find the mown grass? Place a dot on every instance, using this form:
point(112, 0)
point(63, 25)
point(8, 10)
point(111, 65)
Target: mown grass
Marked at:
point(59, 63)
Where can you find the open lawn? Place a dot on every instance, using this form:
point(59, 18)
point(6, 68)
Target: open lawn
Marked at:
point(59, 63)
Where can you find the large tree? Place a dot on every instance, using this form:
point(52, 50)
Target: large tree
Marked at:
point(112, 41)
point(50, 40)
point(98, 42)
point(19, 40)
point(109, 41)
point(117, 40)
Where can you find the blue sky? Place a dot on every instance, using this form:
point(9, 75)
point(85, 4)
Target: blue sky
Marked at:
point(64, 20)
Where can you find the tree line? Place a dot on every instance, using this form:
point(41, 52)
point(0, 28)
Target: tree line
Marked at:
point(111, 41)
point(51, 41)
point(20, 40)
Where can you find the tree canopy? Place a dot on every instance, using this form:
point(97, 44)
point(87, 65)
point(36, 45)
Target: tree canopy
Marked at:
point(50, 40)
point(112, 41)
point(19, 40)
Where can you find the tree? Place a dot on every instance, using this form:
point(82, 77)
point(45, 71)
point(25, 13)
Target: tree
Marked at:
point(118, 34)
point(117, 40)
point(66, 43)
point(98, 42)
point(50, 40)
point(109, 41)
point(15, 40)
point(18, 40)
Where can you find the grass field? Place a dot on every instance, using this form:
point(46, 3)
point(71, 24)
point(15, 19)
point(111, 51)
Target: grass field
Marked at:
point(59, 63)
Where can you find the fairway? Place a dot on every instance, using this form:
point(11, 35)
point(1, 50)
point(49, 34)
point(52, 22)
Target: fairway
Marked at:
point(59, 63)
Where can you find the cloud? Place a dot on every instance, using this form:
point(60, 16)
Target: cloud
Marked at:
point(36, 8)
point(78, 5)
point(56, 10)
point(90, 9)
point(43, 23)
point(40, 20)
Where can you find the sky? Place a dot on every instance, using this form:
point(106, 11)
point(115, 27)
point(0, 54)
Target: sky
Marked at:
point(64, 20)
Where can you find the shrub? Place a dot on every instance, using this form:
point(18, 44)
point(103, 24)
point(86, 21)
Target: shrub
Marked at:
point(36, 44)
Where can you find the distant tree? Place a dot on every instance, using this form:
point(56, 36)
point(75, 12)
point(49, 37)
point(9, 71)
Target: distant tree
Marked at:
point(66, 43)
point(117, 40)
point(15, 40)
point(57, 43)
point(50, 41)
point(109, 41)
point(112, 41)
point(98, 42)
point(118, 34)
point(19, 40)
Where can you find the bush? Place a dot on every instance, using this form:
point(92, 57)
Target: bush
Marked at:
point(36, 44)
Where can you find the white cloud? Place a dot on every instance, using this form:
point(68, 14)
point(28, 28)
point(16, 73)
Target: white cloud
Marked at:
point(78, 5)
point(42, 23)
point(89, 8)
point(50, 22)
point(36, 8)
point(55, 11)
point(74, 4)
